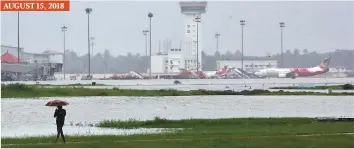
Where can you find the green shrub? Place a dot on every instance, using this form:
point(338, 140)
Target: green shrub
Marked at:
point(16, 87)
point(102, 94)
point(348, 86)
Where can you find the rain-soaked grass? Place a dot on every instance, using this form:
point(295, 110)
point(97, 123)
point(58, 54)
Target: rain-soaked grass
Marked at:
point(233, 132)
point(27, 91)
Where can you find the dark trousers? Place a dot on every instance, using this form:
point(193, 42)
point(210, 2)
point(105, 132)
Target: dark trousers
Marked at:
point(60, 132)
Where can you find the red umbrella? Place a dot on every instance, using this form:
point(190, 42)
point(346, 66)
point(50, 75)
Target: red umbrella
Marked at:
point(57, 103)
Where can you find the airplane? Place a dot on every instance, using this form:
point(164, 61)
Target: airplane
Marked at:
point(221, 73)
point(189, 73)
point(295, 72)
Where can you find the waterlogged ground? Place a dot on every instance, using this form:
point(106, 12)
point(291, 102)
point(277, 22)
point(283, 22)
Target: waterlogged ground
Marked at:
point(30, 117)
point(207, 84)
point(214, 87)
point(202, 81)
point(45, 130)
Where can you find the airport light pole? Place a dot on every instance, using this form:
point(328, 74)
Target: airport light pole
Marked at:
point(242, 22)
point(88, 12)
point(150, 15)
point(92, 44)
point(282, 24)
point(217, 41)
point(18, 37)
point(64, 29)
point(145, 34)
point(197, 19)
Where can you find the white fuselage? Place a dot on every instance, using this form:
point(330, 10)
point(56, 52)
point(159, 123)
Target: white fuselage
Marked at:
point(272, 72)
point(294, 72)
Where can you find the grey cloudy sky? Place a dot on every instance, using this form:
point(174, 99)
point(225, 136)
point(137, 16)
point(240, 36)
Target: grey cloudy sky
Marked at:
point(117, 26)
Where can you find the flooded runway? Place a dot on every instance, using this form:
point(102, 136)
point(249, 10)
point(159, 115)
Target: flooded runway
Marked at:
point(161, 82)
point(207, 84)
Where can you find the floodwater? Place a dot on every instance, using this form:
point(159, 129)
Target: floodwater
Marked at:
point(209, 87)
point(38, 130)
point(207, 84)
point(311, 90)
point(168, 82)
point(30, 117)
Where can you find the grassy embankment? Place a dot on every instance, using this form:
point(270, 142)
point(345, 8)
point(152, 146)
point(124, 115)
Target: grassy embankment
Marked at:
point(25, 91)
point(203, 133)
point(333, 87)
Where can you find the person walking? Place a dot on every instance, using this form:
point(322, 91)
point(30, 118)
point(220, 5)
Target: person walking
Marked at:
point(60, 114)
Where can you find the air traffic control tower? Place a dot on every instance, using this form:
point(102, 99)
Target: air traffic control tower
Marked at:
point(191, 10)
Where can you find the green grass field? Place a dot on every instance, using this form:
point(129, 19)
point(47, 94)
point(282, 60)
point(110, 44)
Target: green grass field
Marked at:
point(27, 91)
point(206, 133)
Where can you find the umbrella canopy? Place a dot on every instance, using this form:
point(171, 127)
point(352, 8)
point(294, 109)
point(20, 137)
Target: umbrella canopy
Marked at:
point(57, 103)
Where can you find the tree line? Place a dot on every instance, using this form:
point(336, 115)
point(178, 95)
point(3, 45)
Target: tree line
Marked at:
point(107, 63)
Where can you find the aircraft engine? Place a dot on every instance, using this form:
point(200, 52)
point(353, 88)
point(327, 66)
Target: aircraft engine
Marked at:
point(282, 75)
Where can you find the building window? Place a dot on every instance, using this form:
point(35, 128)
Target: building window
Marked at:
point(166, 61)
point(188, 26)
point(188, 31)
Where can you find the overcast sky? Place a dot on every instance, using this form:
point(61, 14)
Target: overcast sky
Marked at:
point(117, 26)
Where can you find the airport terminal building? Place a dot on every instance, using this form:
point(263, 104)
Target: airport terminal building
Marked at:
point(29, 66)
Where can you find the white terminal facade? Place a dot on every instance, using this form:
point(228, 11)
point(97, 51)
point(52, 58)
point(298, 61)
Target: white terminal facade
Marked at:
point(176, 60)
